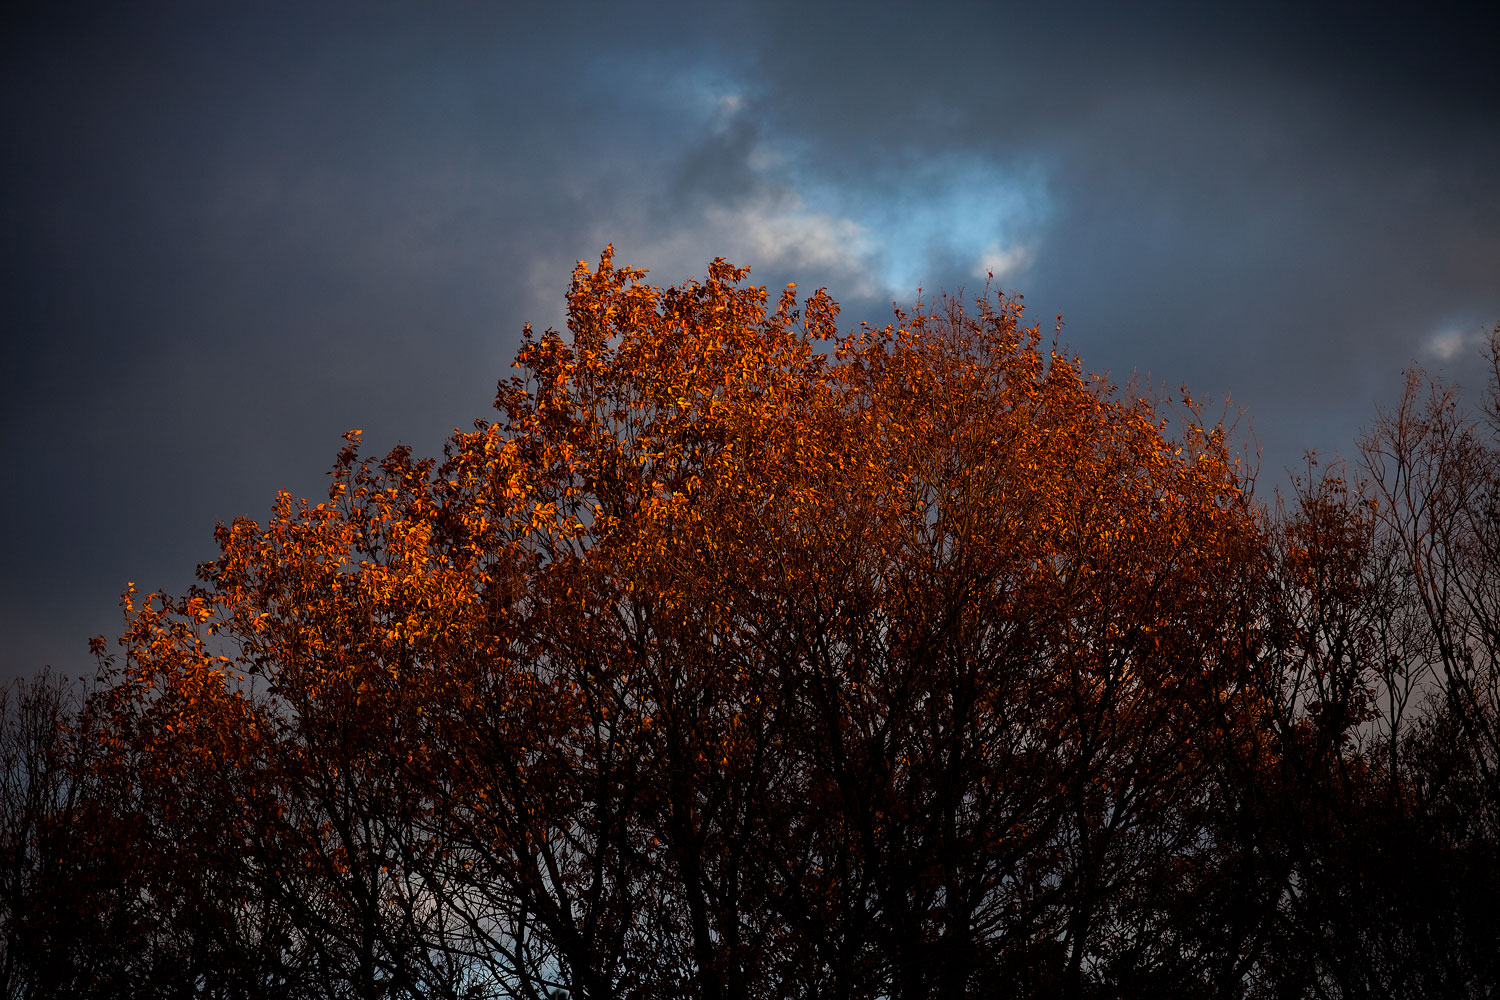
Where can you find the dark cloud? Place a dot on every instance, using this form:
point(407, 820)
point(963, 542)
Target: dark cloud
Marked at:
point(234, 231)
point(719, 169)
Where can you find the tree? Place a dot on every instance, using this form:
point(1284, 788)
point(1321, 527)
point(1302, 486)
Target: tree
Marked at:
point(742, 657)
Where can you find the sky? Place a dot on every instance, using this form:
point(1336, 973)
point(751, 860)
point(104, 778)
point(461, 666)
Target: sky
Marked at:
point(234, 230)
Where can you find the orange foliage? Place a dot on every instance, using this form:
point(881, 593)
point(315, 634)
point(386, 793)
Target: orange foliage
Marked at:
point(739, 654)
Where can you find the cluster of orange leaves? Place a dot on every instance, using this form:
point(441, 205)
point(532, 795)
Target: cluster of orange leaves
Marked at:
point(683, 492)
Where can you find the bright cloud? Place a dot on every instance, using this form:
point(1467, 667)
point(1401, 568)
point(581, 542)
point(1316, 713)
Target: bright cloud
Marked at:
point(1449, 344)
point(775, 232)
point(789, 235)
point(1001, 263)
